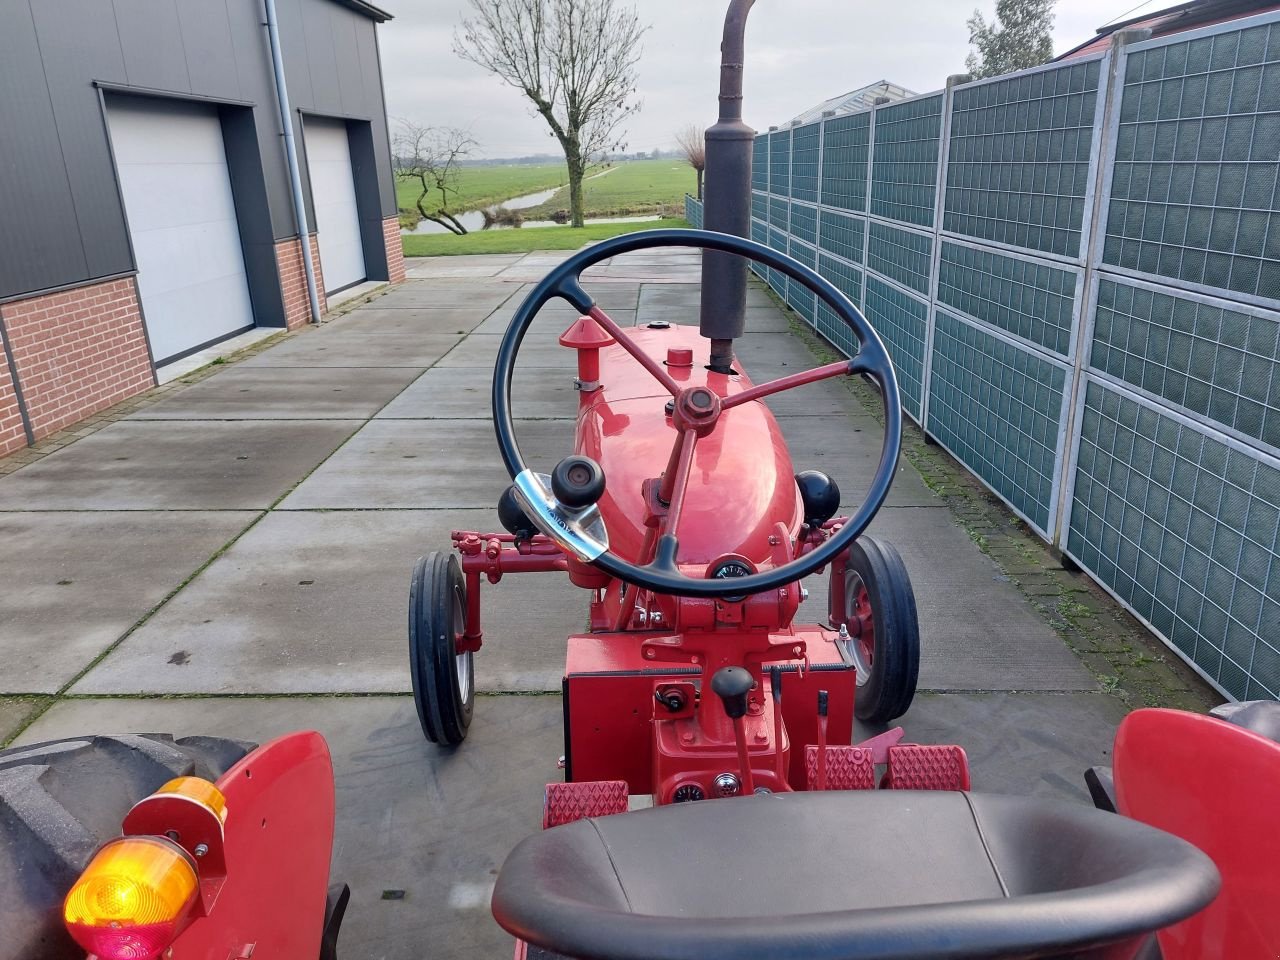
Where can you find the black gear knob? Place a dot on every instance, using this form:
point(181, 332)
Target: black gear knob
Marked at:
point(731, 685)
point(577, 482)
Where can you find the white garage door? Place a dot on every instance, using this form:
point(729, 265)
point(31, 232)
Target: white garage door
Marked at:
point(182, 219)
point(333, 193)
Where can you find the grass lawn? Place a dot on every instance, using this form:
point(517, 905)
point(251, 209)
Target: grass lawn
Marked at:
point(523, 241)
point(480, 187)
point(627, 189)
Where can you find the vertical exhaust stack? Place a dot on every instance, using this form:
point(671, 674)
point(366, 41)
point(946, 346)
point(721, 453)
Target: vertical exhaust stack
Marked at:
point(727, 203)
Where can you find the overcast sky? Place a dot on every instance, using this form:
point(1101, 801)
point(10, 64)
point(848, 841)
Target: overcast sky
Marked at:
point(799, 53)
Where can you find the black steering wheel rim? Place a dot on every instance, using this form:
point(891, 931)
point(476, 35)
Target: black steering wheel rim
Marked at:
point(872, 358)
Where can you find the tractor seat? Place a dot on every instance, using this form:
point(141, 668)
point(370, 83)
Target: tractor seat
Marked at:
point(849, 876)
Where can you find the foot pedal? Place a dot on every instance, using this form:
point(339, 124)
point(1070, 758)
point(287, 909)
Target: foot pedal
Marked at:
point(932, 767)
point(848, 768)
point(567, 802)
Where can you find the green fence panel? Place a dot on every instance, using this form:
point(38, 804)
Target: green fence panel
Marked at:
point(804, 222)
point(901, 255)
point(848, 280)
point(901, 320)
point(760, 163)
point(998, 409)
point(804, 162)
point(1028, 298)
point(904, 161)
point(1197, 155)
point(1183, 527)
point(1217, 362)
point(842, 235)
point(780, 163)
point(846, 149)
point(1018, 158)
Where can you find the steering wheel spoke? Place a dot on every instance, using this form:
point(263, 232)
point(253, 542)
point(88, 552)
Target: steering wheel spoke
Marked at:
point(653, 366)
point(840, 368)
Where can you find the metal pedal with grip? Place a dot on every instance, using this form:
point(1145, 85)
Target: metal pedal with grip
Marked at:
point(567, 802)
point(848, 768)
point(931, 767)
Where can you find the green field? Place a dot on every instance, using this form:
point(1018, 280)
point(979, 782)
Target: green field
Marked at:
point(632, 188)
point(523, 241)
point(628, 189)
point(480, 187)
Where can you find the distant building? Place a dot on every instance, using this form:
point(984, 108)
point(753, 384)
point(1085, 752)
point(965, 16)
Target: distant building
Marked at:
point(1185, 16)
point(864, 98)
point(147, 202)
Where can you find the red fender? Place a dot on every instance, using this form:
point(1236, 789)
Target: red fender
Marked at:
point(279, 839)
point(1215, 785)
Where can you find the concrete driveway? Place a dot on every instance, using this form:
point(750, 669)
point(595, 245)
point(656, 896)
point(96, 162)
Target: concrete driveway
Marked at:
point(234, 560)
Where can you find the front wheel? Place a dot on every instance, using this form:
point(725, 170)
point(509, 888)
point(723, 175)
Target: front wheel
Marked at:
point(879, 612)
point(443, 679)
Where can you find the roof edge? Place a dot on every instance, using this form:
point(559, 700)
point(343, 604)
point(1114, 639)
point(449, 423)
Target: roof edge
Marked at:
point(368, 9)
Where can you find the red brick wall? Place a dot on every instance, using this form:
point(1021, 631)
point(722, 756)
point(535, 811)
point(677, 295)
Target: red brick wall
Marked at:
point(78, 351)
point(293, 281)
point(12, 434)
point(395, 249)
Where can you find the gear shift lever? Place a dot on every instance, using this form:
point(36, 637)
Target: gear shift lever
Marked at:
point(731, 685)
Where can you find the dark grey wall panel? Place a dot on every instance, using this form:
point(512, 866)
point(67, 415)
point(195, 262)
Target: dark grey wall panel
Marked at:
point(253, 216)
point(79, 38)
point(38, 245)
point(63, 220)
point(346, 49)
point(360, 138)
point(151, 38)
point(258, 86)
point(210, 49)
point(371, 67)
point(317, 31)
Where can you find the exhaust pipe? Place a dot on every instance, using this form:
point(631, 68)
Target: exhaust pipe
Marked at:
point(727, 203)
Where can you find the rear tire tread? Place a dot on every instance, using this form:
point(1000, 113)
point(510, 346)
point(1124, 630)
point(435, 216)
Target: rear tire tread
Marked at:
point(62, 799)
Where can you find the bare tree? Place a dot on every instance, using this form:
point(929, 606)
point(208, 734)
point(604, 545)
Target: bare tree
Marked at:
point(693, 148)
point(575, 60)
point(433, 157)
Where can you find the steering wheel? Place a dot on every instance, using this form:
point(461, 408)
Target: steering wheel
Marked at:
point(578, 526)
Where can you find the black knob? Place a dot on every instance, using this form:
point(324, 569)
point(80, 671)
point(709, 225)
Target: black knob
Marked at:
point(577, 482)
point(820, 496)
point(731, 685)
point(512, 516)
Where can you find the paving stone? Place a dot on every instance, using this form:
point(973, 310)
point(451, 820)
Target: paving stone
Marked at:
point(333, 347)
point(264, 392)
point(427, 464)
point(1022, 744)
point(977, 631)
point(75, 582)
point(374, 321)
point(435, 824)
point(210, 465)
point(14, 712)
point(463, 393)
point(317, 603)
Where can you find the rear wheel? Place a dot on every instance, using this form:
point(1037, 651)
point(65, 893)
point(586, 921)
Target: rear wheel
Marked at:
point(60, 801)
point(884, 630)
point(443, 679)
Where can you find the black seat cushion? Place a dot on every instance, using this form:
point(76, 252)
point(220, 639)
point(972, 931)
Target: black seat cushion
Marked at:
point(848, 875)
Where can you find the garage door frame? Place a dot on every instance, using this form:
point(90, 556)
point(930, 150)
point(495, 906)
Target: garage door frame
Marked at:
point(364, 171)
point(248, 191)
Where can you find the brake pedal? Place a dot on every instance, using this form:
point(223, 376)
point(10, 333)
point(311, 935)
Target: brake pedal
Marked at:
point(926, 767)
point(567, 802)
point(848, 768)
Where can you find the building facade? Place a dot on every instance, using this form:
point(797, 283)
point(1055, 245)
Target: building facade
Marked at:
point(146, 202)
